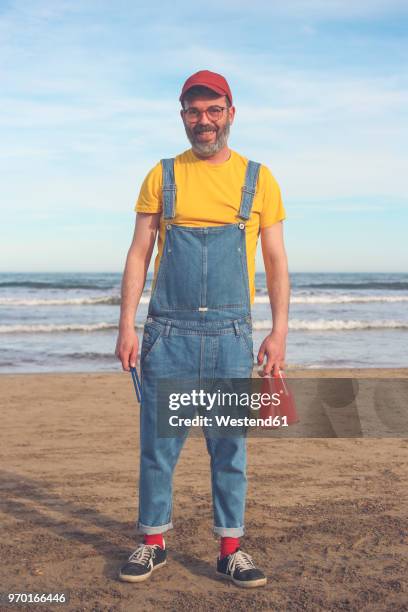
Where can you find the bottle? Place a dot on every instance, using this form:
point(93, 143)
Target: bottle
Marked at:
point(285, 409)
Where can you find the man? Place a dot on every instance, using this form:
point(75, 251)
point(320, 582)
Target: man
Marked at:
point(209, 205)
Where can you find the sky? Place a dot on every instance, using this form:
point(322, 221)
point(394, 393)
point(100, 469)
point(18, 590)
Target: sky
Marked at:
point(89, 103)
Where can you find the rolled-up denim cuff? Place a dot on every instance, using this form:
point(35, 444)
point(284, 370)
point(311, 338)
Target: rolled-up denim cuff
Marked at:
point(229, 532)
point(152, 530)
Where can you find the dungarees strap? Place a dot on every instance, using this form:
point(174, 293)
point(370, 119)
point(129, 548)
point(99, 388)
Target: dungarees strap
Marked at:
point(169, 188)
point(248, 190)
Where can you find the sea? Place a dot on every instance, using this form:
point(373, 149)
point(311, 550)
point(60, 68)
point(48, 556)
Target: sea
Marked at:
point(68, 322)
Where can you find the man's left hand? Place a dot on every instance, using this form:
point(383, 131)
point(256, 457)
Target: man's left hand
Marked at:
point(274, 348)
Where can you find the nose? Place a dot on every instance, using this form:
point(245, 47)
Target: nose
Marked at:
point(203, 120)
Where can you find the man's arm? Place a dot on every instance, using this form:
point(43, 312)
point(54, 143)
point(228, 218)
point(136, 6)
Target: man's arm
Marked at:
point(133, 281)
point(277, 279)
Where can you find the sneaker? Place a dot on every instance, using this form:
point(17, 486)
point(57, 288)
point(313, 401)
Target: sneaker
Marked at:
point(240, 568)
point(142, 562)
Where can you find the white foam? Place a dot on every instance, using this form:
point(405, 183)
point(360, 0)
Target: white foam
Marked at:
point(111, 299)
point(334, 324)
point(337, 299)
point(36, 329)
point(114, 300)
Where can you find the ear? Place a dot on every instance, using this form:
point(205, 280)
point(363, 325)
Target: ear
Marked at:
point(231, 113)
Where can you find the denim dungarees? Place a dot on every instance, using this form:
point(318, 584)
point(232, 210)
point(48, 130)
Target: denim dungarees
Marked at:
point(198, 326)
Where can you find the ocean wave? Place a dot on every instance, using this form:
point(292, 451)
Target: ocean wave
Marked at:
point(336, 299)
point(56, 285)
point(39, 329)
point(294, 325)
point(334, 325)
point(388, 285)
point(104, 284)
point(86, 356)
point(345, 299)
point(113, 300)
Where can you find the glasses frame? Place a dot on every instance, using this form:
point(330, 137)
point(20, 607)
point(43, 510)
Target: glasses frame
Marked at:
point(200, 113)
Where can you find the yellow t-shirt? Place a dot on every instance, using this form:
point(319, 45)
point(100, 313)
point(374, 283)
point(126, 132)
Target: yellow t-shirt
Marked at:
point(210, 194)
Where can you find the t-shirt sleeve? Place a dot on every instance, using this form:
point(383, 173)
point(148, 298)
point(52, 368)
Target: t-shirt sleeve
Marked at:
point(150, 196)
point(272, 209)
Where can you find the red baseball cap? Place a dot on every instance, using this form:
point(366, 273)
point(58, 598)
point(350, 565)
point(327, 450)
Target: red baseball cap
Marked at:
point(209, 79)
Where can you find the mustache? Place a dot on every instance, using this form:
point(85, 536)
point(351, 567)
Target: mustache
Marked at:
point(200, 129)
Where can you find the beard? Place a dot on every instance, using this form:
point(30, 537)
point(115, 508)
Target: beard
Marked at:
point(206, 149)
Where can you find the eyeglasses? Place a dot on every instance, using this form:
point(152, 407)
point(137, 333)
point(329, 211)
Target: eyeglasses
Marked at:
point(214, 113)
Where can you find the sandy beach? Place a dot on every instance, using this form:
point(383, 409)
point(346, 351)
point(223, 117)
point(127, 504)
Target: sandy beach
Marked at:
point(326, 518)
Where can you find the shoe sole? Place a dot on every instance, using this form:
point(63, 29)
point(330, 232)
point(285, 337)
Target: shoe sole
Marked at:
point(143, 577)
point(246, 585)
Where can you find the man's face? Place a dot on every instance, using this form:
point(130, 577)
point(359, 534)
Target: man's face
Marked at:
point(207, 132)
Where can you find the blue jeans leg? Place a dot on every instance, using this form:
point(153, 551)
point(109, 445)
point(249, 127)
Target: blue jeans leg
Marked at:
point(158, 458)
point(228, 483)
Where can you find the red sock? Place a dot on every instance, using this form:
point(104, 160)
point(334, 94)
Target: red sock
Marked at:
point(155, 538)
point(228, 546)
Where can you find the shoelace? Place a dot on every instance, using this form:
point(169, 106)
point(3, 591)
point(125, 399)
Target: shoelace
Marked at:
point(142, 555)
point(241, 561)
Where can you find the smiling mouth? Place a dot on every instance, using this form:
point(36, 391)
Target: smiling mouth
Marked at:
point(204, 132)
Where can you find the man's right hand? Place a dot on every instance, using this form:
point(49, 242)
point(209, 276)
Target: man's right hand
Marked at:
point(127, 347)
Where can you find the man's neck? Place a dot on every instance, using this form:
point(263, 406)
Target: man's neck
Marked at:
point(218, 158)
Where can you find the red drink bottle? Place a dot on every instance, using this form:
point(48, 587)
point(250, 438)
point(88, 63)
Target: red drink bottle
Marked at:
point(285, 408)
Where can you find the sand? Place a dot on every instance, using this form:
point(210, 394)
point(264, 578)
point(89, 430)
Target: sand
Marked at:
point(326, 518)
